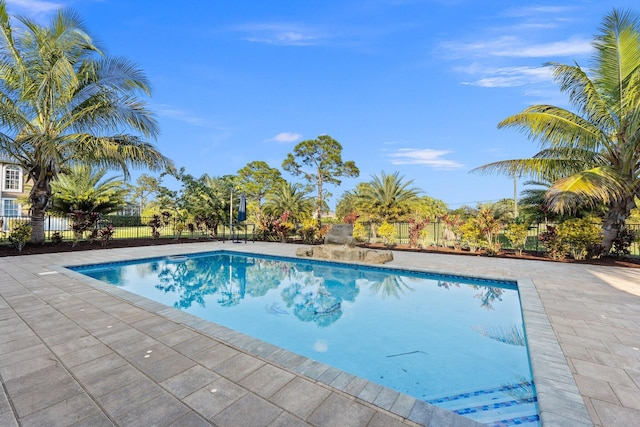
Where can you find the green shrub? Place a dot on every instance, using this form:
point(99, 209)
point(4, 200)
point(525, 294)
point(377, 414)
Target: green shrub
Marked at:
point(56, 238)
point(20, 235)
point(471, 235)
point(106, 234)
point(359, 232)
point(582, 235)
point(555, 247)
point(415, 230)
point(388, 233)
point(489, 227)
point(309, 231)
point(517, 235)
point(623, 242)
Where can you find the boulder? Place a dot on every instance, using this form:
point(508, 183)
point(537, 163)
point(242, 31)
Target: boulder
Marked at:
point(340, 234)
point(346, 253)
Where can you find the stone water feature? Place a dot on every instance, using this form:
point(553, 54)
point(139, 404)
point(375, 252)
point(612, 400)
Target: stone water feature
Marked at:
point(339, 245)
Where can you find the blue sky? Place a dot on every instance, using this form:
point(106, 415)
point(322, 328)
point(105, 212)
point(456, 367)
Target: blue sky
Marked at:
point(414, 86)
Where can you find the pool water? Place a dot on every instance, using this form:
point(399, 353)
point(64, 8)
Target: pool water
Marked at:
point(453, 341)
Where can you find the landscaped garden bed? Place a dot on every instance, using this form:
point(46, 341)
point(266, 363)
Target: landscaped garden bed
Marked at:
point(48, 247)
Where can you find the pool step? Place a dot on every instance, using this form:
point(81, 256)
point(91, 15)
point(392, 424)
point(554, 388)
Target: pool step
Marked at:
point(506, 406)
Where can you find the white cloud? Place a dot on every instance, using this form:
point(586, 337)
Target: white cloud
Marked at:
point(285, 137)
point(574, 46)
point(183, 116)
point(528, 11)
point(32, 6)
point(283, 34)
point(514, 47)
point(425, 156)
point(507, 76)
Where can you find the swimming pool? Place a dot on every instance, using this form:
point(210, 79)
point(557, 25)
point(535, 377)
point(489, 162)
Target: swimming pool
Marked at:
point(453, 341)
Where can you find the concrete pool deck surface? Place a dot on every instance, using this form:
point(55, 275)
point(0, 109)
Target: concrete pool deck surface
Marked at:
point(75, 351)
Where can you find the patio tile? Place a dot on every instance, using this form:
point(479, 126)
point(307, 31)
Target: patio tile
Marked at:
point(100, 366)
point(189, 381)
point(596, 389)
point(117, 378)
point(8, 420)
point(383, 420)
point(127, 398)
point(36, 380)
point(47, 394)
point(37, 350)
point(26, 367)
point(178, 336)
point(606, 373)
point(194, 345)
point(156, 326)
point(238, 367)
point(614, 415)
point(213, 356)
point(67, 412)
point(98, 420)
point(338, 410)
point(167, 367)
point(162, 410)
point(289, 397)
point(266, 380)
point(78, 357)
point(190, 419)
point(629, 396)
point(209, 401)
point(75, 345)
point(287, 420)
point(250, 411)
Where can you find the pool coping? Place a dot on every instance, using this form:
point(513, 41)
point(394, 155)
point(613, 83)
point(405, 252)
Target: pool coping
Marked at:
point(559, 401)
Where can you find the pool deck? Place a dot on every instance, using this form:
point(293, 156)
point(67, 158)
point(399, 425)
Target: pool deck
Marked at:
point(75, 351)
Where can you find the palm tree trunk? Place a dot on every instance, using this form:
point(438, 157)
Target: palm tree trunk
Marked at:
point(613, 222)
point(39, 196)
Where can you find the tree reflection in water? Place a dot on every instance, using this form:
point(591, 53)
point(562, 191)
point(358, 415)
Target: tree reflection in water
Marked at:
point(314, 293)
point(192, 280)
point(488, 294)
point(389, 285)
point(317, 296)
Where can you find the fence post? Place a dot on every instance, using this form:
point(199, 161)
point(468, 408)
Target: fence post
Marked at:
point(537, 232)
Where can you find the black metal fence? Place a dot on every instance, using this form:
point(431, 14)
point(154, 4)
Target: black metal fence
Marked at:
point(135, 227)
point(436, 234)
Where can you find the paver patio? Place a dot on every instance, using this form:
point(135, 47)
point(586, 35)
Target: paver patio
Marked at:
point(74, 351)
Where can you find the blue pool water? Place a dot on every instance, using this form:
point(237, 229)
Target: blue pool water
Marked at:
point(453, 341)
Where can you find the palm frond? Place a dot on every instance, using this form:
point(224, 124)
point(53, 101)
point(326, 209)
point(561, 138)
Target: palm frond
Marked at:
point(556, 127)
point(584, 95)
point(589, 187)
point(545, 169)
point(617, 54)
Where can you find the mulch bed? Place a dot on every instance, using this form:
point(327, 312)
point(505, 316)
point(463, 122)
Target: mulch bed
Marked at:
point(31, 249)
point(536, 256)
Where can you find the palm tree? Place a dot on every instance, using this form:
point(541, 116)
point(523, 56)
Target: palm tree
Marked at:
point(288, 197)
point(62, 102)
point(387, 197)
point(85, 189)
point(591, 156)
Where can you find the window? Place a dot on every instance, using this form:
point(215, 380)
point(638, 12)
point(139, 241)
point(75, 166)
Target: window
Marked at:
point(13, 178)
point(10, 208)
